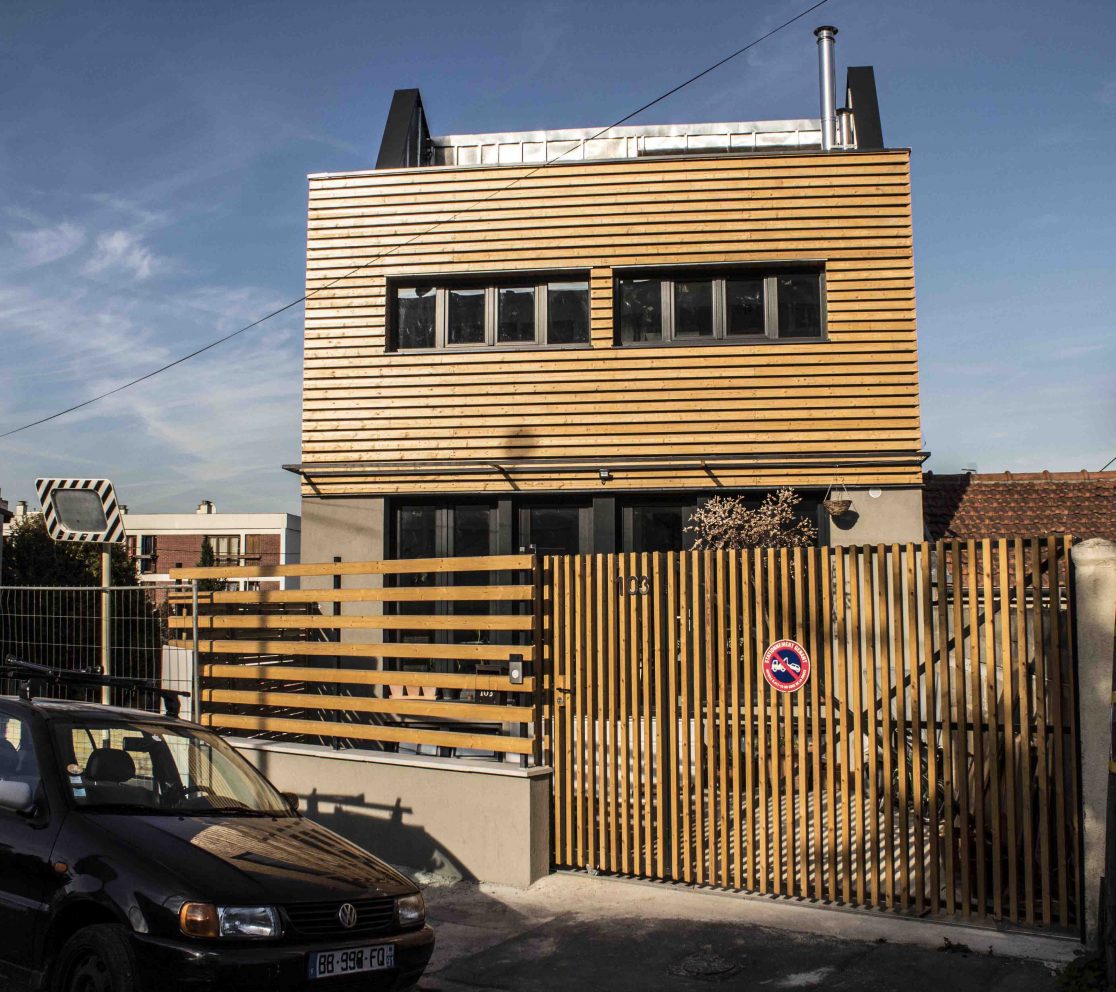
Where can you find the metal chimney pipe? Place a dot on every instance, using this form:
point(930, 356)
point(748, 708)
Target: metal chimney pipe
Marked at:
point(845, 128)
point(827, 78)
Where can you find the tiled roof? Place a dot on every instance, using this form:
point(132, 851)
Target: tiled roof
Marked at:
point(1009, 504)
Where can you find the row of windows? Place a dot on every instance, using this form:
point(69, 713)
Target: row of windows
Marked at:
point(429, 530)
point(545, 313)
point(735, 305)
point(731, 307)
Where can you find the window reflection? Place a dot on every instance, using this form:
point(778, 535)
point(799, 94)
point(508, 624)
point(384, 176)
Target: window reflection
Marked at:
point(693, 308)
point(554, 529)
point(744, 303)
point(465, 321)
point(567, 308)
point(515, 312)
point(641, 310)
point(657, 527)
point(799, 306)
point(414, 317)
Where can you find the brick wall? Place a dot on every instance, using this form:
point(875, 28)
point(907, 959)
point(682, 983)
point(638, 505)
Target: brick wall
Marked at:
point(175, 550)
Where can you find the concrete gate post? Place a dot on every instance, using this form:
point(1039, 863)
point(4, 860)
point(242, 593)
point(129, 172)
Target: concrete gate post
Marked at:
point(1095, 593)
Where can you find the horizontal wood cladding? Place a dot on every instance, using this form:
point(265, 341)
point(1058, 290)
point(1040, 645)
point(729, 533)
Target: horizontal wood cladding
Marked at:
point(789, 410)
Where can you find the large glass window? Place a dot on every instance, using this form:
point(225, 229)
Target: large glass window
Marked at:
point(525, 313)
point(556, 529)
point(515, 315)
point(657, 526)
point(744, 307)
point(799, 306)
point(641, 310)
point(415, 317)
point(465, 316)
point(718, 304)
point(567, 311)
point(693, 308)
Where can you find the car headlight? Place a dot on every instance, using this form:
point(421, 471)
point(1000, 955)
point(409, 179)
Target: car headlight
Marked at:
point(201, 919)
point(410, 911)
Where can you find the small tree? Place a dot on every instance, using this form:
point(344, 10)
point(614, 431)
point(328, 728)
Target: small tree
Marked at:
point(32, 558)
point(725, 523)
point(208, 559)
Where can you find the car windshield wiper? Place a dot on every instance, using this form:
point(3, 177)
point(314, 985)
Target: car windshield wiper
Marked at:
point(227, 811)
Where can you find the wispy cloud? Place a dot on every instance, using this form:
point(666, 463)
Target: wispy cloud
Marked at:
point(43, 245)
point(122, 252)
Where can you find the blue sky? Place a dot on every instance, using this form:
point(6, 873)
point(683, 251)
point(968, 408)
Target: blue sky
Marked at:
point(153, 158)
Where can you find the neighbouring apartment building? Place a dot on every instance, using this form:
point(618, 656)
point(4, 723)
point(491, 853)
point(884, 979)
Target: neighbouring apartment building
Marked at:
point(5, 516)
point(570, 339)
point(162, 541)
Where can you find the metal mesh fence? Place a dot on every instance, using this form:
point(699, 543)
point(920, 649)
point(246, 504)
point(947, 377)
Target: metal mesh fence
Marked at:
point(62, 627)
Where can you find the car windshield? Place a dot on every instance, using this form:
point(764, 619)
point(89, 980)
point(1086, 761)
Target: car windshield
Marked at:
point(139, 767)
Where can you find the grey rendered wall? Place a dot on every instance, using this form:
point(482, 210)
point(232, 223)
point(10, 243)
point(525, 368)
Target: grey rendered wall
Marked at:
point(1095, 595)
point(892, 517)
point(352, 527)
point(445, 817)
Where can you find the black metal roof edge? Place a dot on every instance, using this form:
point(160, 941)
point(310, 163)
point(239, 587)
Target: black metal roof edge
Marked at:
point(406, 142)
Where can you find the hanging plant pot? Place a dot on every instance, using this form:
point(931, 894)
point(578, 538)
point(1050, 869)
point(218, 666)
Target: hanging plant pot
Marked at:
point(839, 502)
point(836, 507)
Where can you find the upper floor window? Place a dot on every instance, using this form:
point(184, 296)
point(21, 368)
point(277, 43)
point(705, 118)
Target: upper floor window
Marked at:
point(738, 305)
point(226, 549)
point(509, 313)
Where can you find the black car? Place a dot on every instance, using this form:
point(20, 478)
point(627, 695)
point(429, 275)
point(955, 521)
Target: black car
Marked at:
point(141, 852)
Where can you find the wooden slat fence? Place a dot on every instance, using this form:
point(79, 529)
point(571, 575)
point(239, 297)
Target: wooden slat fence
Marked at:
point(929, 765)
point(408, 654)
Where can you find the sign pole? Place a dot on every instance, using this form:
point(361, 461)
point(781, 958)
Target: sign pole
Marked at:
point(106, 605)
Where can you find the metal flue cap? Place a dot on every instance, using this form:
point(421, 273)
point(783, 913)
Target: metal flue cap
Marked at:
point(825, 31)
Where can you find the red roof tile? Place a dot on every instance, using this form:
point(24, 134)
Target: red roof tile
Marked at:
point(1009, 504)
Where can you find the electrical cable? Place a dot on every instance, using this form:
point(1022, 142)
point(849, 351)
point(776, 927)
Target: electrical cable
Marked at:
point(422, 234)
point(1109, 462)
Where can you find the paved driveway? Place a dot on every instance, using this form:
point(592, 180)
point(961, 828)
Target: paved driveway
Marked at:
point(579, 933)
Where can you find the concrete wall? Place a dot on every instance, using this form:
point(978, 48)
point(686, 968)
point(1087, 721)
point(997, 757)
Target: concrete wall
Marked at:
point(349, 526)
point(1095, 594)
point(352, 527)
point(894, 516)
point(490, 823)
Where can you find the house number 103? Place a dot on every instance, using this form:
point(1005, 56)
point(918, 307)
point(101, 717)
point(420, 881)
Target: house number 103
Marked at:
point(633, 585)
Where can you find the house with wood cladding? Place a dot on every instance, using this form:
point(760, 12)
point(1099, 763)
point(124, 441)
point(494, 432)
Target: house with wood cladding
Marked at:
point(569, 339)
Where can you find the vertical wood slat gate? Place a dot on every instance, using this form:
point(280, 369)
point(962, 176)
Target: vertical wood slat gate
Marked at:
point(929, 764)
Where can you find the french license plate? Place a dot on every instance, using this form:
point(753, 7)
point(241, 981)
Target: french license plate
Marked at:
point(350, 960)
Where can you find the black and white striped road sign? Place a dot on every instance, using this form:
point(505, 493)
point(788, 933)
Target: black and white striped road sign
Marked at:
point(82, 510)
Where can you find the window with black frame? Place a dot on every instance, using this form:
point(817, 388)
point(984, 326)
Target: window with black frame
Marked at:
point(719, 305)
point(565, 529)
point(444, 530)
point(656, 526)
point(531, 310)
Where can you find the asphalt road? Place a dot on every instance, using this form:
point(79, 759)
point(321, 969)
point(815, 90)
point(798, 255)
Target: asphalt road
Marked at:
point(524, 944)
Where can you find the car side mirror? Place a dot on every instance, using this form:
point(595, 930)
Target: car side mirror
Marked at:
point(291, 799)
point(18, 797)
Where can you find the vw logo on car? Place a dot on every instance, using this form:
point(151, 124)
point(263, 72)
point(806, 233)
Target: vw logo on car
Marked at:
point(347, 915)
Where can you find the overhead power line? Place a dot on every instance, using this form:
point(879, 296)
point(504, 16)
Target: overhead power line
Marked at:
point(384, 254)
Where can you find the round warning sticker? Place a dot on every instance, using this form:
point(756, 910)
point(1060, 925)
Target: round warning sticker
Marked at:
point(786, 666)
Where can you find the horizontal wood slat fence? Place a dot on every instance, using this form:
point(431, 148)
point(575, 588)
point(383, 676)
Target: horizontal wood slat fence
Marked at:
point(929, 764)
point(421, 656)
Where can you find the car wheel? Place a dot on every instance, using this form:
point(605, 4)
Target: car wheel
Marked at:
point(96, 959)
